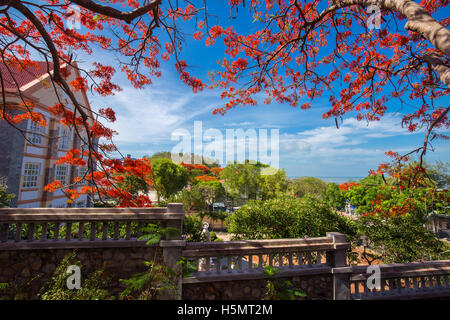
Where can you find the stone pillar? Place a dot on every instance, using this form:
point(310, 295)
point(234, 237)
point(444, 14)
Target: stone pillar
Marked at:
point(172, 247)
point(176, 223)
point(340, 270)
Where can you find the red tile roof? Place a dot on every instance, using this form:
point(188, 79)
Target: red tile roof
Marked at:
point(22, 77)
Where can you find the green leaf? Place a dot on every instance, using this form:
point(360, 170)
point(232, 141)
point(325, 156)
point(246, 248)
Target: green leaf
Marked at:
point(270, 271)
point(258, 18)
point(299, 293)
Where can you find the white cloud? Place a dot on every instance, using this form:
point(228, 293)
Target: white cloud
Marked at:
point(240, 124)
point(150, 116)
point(351, 143)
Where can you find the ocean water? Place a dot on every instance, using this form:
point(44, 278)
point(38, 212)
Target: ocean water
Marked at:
point(337, 180)
point(340, 180)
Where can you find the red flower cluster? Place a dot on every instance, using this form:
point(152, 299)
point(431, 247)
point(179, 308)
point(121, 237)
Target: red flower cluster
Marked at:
point(108, 113)
point(191, 167)
point(348, 186)
point(72, 157)
point(206, 178)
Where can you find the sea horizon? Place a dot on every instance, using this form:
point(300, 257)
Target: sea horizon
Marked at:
point(337, 179)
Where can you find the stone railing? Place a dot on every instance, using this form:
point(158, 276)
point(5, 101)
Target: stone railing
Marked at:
point(248, 258)
point(403, 281)
point(34, 241)
point(51, 228)
point(214, 262)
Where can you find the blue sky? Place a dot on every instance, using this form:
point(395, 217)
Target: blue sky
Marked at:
point(309, 145)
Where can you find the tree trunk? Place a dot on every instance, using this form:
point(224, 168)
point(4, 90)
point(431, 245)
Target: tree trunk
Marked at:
point(418, 20)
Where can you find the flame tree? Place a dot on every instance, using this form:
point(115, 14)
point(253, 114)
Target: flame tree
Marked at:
point(300, 50)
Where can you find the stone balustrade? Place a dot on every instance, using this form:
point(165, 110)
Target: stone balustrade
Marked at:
point(51, 228)
point(313, 263)
point(403, 281)
point(231, 258)
point(34, 241)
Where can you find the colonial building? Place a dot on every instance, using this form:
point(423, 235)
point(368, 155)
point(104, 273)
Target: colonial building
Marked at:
point(25, 168)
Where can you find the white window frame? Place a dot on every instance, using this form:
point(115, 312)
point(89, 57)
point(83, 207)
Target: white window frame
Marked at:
point(58, 173)
point(31, 174)
point(81, 173)
point(35, 133)
point(64, 138)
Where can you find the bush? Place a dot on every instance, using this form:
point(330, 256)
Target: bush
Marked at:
point(401, 239)
point(214, 237)
point(105, 204)
point(192, 228)
point(149, 284)
point(308, 186)
point(334, 196)
point(5, 197)
point(92, 288)
point(288, 217)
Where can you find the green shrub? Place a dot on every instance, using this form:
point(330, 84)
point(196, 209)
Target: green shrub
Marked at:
point(303, 186)
point(279, 289)
point(192, 228)
point(288, 217)
point(214, 236)
point(334, 196)
point(5, 197)
point(92, 288)
point(401, 239)
point(149, 284)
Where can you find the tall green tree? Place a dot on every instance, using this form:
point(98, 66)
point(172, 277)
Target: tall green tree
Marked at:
point(212, 191)
point(273, 184)
point(242, 180)
point(133, 184)
point(334, 196)
point(438, 172)
point(308, 185)
point(201, 196)
point(168, 177)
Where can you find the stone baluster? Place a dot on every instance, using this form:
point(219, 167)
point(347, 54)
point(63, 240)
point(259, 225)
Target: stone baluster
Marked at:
point(18, 235)
point(44, 231)
point(4, 233)
point(30, 232)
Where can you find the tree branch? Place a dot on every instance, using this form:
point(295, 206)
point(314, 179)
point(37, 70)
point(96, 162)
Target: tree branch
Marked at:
point(114, 13)
point(419, 20)
point(436, 63)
